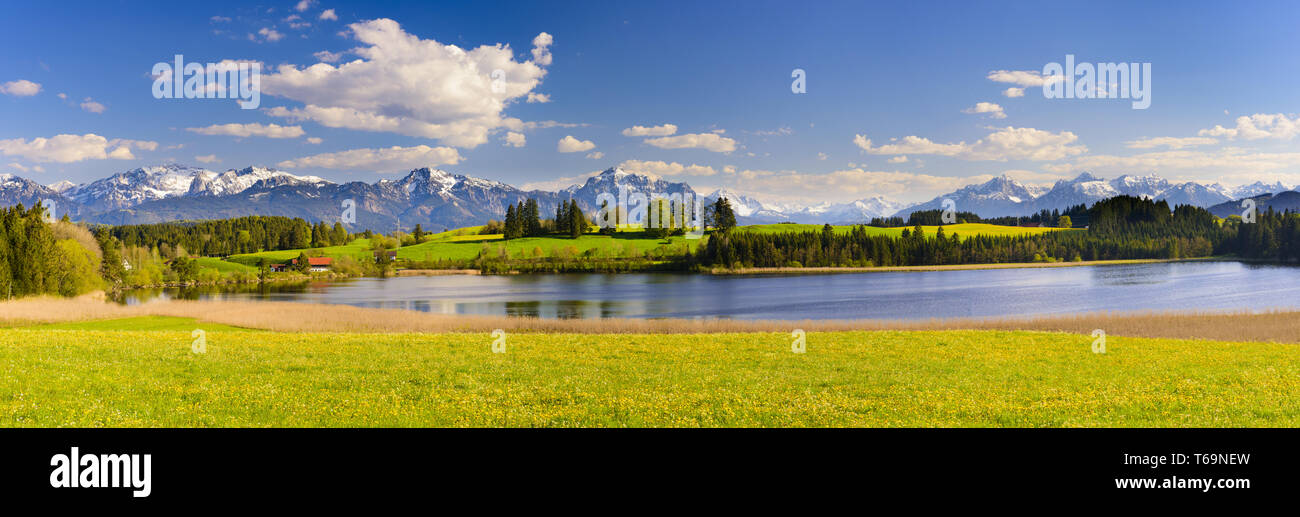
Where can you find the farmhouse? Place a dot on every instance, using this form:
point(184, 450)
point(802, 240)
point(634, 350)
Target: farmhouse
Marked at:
point(318, 265)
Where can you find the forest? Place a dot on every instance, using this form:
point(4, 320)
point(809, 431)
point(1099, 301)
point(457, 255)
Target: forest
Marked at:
point(1122, 227)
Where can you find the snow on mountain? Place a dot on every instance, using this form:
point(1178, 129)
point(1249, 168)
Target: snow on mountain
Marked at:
point(1002, 195)
point(144, 184)
point(438, 198)
point(1195, 194)
point(61, 186)
point(1255, 189)
point(742, 205)
point(208, 183)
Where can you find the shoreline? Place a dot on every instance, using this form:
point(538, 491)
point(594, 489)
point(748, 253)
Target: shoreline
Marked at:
point(945, 267)
point(1278, 325)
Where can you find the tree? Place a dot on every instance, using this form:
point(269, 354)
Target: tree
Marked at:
point(263, 267)
point(577, 221)
point(186, 269)
point(1064, 222)
point(304, 264)
point(532, 219)
point(111, 266)
point(512, 223)
point(723, 218)
point(418, 233)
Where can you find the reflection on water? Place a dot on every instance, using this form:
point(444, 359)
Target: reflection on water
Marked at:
point(911, 295)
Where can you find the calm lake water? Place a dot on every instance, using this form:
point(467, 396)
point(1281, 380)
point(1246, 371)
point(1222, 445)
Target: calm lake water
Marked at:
point(911, 295)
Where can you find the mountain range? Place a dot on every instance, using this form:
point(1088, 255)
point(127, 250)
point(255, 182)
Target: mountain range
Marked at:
point(438, 199)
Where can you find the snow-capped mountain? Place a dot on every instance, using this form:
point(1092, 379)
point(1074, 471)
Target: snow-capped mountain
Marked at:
point(1195, 194)
point(17, 190)
point(1256, 189)
point(1279, 202)
point(136, 186)
point(61, 186)
point(742, 205)
point(1002, 195)
point(144, 184)
point(861, 211)
point(208, 183)
point(440, 199)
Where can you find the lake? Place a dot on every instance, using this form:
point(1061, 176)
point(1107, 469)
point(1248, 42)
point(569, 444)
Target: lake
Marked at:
point(899, 295)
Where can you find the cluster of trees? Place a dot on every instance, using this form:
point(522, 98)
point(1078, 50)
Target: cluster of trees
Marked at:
point(1124, 228)
point(569, 219)
point(44, 257)
point(222, 237)
point(523, 220)
point(720, 216)
point(1274, 236)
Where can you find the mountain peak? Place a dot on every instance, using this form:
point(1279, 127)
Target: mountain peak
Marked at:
point(1085, 177)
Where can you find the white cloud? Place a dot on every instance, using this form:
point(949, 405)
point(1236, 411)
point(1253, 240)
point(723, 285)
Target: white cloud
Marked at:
point(326, 56)
point(410, 86)
point(91, 106)
point(20, 88)
point(708, 141)
point(539, 98)
point(379, 160)
point(1013, 92)
point(514, 139)
point(780, 131)
point(303, 5)
point(296, 22)
point(993, 110)
point(595, 155)
point(328, 14)
point(558, 183)
point(267, 34)
point(898, 159)
point(822, 156)
point(542, 49)
point(207, 158)
point(849, 185)
point(1009, 143)
point(660, 168)
point(569, 144)
point(219, 19)
point(1023, 78)
point(251, 129)
point(664, 130)
point(1170, 142)
point(1260, 125)
point(314, 140)
point(73, 148)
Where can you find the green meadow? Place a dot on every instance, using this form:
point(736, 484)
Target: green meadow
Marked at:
point(142, 372)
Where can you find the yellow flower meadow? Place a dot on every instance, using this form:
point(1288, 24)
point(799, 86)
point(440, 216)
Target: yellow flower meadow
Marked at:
point(92, 378)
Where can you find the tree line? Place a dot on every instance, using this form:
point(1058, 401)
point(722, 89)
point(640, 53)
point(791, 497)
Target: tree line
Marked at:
point(1122, 227)
point(223, 237)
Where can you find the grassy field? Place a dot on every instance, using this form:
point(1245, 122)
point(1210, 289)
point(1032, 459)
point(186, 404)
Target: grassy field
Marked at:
point(467, 246)
point(359, 248)
point(101, 375)
point(963, 229)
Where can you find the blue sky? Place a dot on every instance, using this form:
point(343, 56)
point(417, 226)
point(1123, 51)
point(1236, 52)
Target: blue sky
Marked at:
point(889, 109)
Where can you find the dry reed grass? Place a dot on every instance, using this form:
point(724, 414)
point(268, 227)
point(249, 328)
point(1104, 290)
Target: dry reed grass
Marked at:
point(1280, 326)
